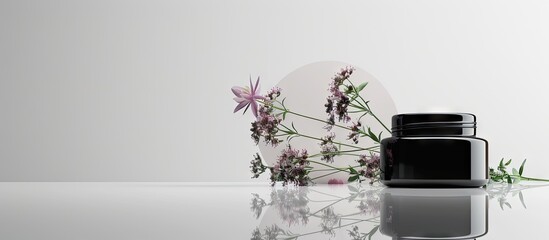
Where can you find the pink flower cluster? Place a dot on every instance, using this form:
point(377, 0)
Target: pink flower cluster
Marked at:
point(291, 167)
point(355, 132)
point(370, 166)
point(338, 101)
point(328, 149)
point(266, 126)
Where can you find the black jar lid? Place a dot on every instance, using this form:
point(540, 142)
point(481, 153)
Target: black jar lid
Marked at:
point(429, 124)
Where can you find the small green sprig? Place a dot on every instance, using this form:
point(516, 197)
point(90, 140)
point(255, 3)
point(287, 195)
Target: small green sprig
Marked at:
point(502, 175)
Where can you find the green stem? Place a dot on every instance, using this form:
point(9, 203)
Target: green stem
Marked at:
point(328, 174)
point(531, 179)
point(344, 169)
point(368, 107)
point(373, 115)
point(346, 151)
point(357, 111)
point(339, 154)
point(321, 170)
point(308, 117)
point(337, 143)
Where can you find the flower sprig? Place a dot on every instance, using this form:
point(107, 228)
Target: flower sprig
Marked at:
point(268, 127)
point(502, 174)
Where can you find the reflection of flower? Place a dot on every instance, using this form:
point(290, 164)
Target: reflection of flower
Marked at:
point(500, 191)
point(269, 233)
point(370, 206)
point(370, 202)
point(257, 205)
point(356, 235)
point(295, 206)
point(329, 220)
point(246, 97)
point(292, 205)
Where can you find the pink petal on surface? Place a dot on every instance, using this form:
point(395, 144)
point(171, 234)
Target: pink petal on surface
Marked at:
point(240, 106)
point(335, 181)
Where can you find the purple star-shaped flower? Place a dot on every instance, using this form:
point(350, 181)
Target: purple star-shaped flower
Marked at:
point(246, 97)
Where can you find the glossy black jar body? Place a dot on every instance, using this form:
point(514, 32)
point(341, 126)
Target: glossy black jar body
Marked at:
point(434, 150)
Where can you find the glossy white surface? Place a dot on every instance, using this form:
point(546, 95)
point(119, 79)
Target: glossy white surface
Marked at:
point(233, 211)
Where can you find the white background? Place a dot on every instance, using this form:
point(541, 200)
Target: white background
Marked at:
point(140, 90)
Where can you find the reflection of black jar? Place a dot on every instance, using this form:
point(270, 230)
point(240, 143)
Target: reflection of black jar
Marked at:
point(434, 213)
point(434, 150)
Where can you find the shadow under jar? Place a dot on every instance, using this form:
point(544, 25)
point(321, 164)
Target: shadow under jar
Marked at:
point(434, 150)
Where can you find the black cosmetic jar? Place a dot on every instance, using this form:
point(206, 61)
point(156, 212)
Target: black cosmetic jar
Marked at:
point(434, 150)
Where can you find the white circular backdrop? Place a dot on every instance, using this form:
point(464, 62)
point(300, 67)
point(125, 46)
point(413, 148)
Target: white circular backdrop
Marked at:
point(306, 90)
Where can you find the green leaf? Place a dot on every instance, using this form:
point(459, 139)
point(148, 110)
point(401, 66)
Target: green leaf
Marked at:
point(284, 126)
point(500, 163)
point(294, 127)
point(353, 178)
point(515, 172)
point(379, 136)
point(521, 169)
point(372, 135)
point(352, 170)
point(361, 86)
point(509, 180)
point(508, 162)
